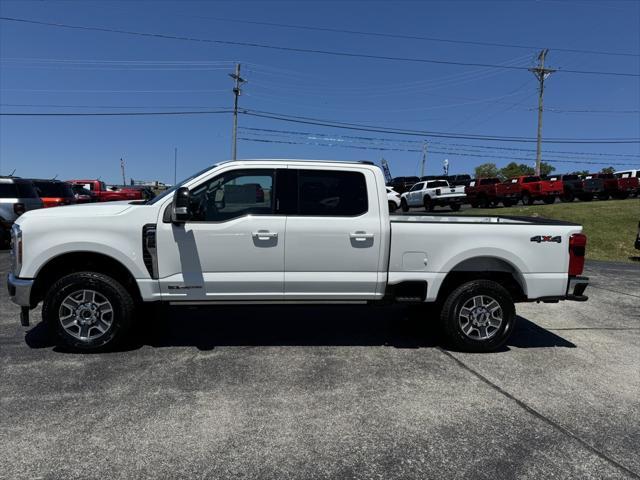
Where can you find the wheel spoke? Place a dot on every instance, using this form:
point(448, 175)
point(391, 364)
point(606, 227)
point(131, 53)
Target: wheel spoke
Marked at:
point(477, 301)
point(84, 332)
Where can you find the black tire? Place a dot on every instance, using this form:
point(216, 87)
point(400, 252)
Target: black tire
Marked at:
point(603, 196)
point(404, 205)
point(392, 206)
point(567, 197)
point(484, 202)
point(105, 288)
point(428, 204)
point(527, 199)
point(507, 203)
point(549, 200)
point(452, 322)
point(474, 204)
point(587, 197)
point(622, 196)
point(455, 207)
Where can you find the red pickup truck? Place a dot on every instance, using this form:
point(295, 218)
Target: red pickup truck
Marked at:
point(102, 194)
point(530, 188)
point(485, 192)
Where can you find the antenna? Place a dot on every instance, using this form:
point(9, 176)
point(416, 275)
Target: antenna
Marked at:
point(11, 174)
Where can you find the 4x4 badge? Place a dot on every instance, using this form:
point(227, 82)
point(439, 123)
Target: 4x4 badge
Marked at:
point(546, 238)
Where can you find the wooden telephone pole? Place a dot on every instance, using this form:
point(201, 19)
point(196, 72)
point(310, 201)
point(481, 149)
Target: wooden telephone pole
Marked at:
point(541, 74)
point(236, 93)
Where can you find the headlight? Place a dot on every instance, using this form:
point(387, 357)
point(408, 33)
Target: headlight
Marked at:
point(16, 249)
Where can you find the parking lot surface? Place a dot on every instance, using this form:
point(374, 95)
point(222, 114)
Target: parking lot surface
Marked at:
point(330, 392)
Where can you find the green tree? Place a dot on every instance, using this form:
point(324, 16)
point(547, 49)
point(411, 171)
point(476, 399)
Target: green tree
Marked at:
point(546, 168)
point(581, 172)
point(514, 169)
point(486, 170)
point(608, 170)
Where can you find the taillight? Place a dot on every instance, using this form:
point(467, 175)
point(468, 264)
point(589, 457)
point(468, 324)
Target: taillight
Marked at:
point(577, 247)
point(18, 208)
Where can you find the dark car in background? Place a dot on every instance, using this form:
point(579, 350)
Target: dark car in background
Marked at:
point(403, 184)
point(17, 195)
point(54, 193)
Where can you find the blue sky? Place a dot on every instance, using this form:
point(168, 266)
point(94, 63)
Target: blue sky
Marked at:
point(47, 69)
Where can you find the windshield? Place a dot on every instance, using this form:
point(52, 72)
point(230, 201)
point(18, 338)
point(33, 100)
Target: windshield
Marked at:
point(178, 185)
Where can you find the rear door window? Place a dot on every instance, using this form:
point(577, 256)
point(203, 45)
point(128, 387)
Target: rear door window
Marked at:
point(332, 193)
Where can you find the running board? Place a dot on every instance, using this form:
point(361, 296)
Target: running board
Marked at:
point(271, 302)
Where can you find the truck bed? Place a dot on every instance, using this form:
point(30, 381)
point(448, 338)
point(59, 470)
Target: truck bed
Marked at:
point(475, 219)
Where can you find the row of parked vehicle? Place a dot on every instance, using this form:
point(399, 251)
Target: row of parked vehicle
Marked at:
point(452, 191)
point(18, 195)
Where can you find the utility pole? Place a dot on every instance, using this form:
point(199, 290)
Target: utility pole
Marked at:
point(424, 158)
point(175, 164)
point(124, 182)
point(236, 93)
point(541, 74)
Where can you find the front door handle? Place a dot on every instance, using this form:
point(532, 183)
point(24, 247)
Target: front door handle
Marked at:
point(361, 236)
point(264, 235)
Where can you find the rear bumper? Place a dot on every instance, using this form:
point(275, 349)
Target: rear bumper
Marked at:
point(576, 288)
point(19, 290)
point(575, 291)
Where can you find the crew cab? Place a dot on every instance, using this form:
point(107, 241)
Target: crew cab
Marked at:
point(103, 194)
point(633, 173)
point(531, 188)
point(432, 194)
point(54, 193)
point(322, 233)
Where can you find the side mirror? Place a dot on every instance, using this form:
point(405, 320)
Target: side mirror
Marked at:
point(180, 211)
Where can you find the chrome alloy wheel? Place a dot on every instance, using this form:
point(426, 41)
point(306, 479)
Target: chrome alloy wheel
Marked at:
point(86, 314)
point(480, 317)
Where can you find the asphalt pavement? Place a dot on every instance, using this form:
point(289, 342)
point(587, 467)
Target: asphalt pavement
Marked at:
point(331, 392)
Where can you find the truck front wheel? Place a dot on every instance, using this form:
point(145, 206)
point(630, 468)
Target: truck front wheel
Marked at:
point(478, 316)
point(88, 310)
point(404, 205)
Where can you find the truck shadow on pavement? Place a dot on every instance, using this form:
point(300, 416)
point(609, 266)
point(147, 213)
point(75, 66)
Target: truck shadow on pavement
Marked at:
point(207, 328)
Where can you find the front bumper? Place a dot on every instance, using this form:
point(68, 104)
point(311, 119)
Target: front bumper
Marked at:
point(19, 290)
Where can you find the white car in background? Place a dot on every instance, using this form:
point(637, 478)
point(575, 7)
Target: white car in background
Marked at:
point(432, 193)
point(393, 198)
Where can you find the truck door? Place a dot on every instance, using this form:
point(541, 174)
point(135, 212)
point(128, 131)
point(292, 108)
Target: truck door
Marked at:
point(414, 196)
point(333, 235)
point(233, 246)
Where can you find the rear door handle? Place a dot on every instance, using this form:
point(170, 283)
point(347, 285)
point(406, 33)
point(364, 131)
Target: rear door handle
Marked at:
point(264, 235)
point(360, 236)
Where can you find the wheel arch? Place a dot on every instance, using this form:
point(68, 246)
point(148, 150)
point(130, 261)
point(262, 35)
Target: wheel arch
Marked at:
point(485, 267)
point(80, 261)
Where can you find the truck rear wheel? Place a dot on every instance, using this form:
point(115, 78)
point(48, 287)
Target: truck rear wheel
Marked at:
point(527, 199)
point(88, 310)
point(455, 207)
point(428, 204)
point(478, 316)
point(549, 200)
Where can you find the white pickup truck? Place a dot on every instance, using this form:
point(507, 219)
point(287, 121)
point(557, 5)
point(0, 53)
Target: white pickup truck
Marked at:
point(278, 231)
point(433, 193)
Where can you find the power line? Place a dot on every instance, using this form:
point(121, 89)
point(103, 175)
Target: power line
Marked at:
point(296, 49)
point(255, 130)
point(332, 124)
point(122, 107)
point(421, 133)
point(420, 150)
point(108, 114)
point(418, 37)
